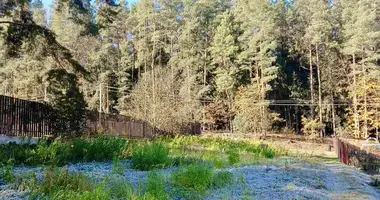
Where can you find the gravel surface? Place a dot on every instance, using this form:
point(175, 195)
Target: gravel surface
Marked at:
point(296, 181)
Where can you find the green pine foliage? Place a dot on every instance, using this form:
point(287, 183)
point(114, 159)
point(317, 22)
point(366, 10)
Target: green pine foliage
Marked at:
point(220, 63)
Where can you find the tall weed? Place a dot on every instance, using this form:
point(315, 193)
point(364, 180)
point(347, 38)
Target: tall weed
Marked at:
point(56, 180)
point(150, 156)
point(197, 177)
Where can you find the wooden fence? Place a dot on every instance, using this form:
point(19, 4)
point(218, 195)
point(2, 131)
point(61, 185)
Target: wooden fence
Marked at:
point(32, 119)
point(24, 118)
point(353, 155)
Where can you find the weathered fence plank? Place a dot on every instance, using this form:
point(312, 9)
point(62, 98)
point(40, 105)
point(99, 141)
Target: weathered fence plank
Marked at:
point(353, 155)
point(32, 119)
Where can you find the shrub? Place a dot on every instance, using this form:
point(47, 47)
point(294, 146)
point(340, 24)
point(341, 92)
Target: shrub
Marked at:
point(96, 149)
point(56, 180)
point(56, 153)
point(150, 156)
point(100, 192)
point(197, 177)
point(117, 166)
point(155, 186)
point(121, 189)
point(28, 181)
point(215, 158)
point(183, 161)
point(375, 181)
point(18, 154)
point(7, 175)
point(222, 178)
point(60, 153)
point(268, 153)
point(233, 156)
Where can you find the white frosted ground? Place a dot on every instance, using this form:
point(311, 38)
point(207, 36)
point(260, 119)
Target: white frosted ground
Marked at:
point(294, 181)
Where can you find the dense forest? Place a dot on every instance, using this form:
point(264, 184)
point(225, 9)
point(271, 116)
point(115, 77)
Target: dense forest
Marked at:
point(246, 66)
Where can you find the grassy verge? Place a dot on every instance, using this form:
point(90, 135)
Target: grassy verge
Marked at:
point(160, 152)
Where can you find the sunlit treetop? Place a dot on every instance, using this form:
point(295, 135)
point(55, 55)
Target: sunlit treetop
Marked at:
point(17, 26)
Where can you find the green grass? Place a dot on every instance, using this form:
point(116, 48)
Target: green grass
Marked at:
point(196, 176)
point(62, 152)
point(56, 180)
point(6, 174)
point(233, 156)
point(155, 186)
point(145, 155)
point(222, 178)
point(117, 166)
point(196, 157)
point(220, 151)
point(193, 181)
point(150, 156)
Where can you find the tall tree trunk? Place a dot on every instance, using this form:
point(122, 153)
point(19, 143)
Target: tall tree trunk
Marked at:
point(146, 88)
point(332, 93)
point(365, 99)
point(333, 114)
point(171, 55)
point(153, 83)
point(356, 116)
point(264, 119)
point(311, 82)
point(188, 82)
point(204, 85)
point(319, 93)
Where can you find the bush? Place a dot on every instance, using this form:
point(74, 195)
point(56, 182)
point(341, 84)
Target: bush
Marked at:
point(150, 156)
point(100, 192)
point(183, 161)
point(155, 186)
point(221, 179)
point(56, 153)
point(60, 153)
point(215, 158)
point(122, 189)
point(17, 154)
point(96, 149)
point(117, 166)
point(233, 156)
point(262, 150)
point(7, 175)
point(56, 180)
point(28, 181)
point(197, 177)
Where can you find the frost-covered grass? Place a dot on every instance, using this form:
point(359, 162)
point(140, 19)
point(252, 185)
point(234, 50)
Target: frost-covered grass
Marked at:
point(189, 167)
point(146, 155)
point(286, 180)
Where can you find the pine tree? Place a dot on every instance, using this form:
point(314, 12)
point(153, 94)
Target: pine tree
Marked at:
point(223, 52)
point(361, 34)
point(258, 21)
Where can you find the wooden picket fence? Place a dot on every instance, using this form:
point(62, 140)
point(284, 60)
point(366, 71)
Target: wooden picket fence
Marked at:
point(33, 119)
point(353, 155)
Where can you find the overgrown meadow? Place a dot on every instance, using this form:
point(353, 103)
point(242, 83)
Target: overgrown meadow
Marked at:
point(197, 165)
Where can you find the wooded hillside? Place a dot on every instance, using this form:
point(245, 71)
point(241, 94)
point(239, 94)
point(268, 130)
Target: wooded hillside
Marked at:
point(247, 66)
